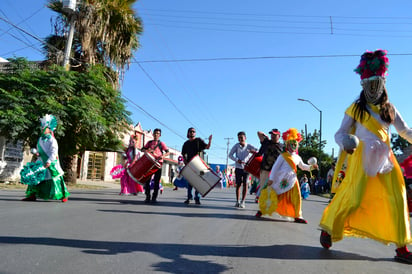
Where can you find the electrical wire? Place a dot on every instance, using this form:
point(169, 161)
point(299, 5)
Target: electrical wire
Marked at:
point(260, 58)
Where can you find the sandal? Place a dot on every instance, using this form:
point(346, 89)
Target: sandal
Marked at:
point(404, 257)
point(300, 221)
point(325, 240)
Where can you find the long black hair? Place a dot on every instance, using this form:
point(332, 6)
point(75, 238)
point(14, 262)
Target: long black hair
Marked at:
point(386, 112)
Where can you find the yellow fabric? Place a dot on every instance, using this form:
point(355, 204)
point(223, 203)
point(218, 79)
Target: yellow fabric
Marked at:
point(268, 201)
point(371, 124)
point(288, 158)
point(287, 204)
point(341, 159)
point(372, 207)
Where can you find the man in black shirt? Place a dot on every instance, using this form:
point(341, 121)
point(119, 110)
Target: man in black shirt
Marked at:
point(190, 149)
point(270, 149)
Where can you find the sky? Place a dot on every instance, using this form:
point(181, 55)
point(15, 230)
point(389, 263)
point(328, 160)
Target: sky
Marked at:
point(224, 66)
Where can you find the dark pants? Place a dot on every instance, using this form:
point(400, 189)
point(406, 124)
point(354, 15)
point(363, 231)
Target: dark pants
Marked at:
point(190, 195)
point(156, 183)
point(241, 176)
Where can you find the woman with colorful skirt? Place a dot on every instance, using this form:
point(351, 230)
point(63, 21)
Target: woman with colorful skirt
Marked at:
point(127, 185)
point(282, 192)
point(371, 200)
point(52, 186)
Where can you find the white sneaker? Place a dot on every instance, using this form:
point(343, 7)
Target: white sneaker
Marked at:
point(237, 204)
point(242, 204)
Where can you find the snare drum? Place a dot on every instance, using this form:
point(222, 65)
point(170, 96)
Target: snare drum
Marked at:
point(200, 175)
point(253, 165)
point(143, 168)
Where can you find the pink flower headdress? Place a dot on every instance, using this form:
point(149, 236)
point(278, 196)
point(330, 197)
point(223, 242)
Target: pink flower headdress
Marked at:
point(373, 64)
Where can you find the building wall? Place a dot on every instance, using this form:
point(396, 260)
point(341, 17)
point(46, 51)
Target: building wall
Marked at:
point(12, 158)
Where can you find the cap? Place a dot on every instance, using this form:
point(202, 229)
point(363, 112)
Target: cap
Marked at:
point(274, 131)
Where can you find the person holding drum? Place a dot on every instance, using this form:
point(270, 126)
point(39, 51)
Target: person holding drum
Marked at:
point(159, 150)
point(190, 149)
point(52, 186)
point(127, 184)
point(270, 149)
point(239, 154)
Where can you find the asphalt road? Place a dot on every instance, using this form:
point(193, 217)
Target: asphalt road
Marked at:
point(98, 231)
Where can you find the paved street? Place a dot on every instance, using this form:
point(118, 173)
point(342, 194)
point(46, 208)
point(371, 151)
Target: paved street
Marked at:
point(98, 231)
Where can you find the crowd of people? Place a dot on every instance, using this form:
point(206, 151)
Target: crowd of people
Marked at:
point(369, 191)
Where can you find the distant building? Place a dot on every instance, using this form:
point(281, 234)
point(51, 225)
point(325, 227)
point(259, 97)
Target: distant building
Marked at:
point(96, 165)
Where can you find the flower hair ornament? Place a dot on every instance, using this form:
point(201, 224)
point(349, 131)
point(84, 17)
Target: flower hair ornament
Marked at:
point(291, 137)
point(48, 121)
point(292, 134)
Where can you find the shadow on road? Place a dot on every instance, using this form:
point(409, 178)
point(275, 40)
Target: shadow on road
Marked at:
point(181, 255)
point(193, 215)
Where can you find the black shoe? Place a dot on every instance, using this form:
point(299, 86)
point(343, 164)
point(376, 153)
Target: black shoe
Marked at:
point(197, 202)
point(154, 201)
point(325, 239)
point(404, 258)
point(187, 201)
point(147, 200)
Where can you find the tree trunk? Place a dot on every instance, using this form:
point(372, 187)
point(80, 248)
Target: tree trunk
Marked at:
point(70, 169)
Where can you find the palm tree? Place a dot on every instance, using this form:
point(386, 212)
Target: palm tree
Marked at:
point(106, 32)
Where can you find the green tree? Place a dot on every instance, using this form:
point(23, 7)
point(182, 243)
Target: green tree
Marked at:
point(90, 111)
point(399, 144)
point(309, 147)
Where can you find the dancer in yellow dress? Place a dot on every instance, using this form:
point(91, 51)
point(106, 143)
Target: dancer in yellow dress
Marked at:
point(371, 200)
point(282, 193)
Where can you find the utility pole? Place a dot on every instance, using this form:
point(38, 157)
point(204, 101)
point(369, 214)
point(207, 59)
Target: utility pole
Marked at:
point(227, 155)
point(70, 7)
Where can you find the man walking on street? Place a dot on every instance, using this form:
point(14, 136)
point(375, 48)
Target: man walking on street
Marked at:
point(239, 153)
point(190, 149)
point(159, 150)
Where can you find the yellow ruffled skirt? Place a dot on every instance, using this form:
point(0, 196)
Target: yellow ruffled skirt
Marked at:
point(370, 207)
point(288, 204)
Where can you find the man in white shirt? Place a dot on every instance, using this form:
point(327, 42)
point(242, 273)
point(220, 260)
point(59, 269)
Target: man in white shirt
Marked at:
point(239, 154)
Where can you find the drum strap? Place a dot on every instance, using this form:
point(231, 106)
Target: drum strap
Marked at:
point(159, 145)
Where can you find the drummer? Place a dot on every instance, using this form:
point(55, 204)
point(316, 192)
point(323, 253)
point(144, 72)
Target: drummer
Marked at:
point(190, 149)
point(239, 154)
point(270, 149)
point(159, 150)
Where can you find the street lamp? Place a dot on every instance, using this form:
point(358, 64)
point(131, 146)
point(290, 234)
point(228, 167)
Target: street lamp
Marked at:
point(320, 127)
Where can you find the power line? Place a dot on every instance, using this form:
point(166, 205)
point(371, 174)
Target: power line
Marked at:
point(192, 94)
point(260, 58)
point(161, 90)
point(154, 118)
point(37, 38)
point(274, 15)
point(164, 94)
